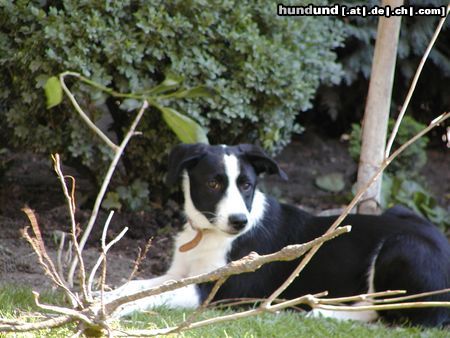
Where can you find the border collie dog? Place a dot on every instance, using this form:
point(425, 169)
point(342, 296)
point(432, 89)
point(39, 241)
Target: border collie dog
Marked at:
point(397, 250)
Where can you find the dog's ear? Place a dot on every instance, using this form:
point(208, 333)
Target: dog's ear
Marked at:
point(261, 162)
point(183, 156)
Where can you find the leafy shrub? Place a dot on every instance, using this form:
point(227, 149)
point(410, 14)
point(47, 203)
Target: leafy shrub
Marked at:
point(265, 68)
point(409, 192)
point(411, 160)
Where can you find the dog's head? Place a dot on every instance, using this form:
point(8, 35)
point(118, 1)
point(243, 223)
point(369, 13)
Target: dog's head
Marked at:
point(219, 184)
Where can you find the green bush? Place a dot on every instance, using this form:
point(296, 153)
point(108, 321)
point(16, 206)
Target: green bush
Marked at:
point(409, 192)
point(411, 160)
point(265, 68)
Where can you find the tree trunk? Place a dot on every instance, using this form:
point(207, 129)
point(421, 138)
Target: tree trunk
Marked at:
point(378, 103)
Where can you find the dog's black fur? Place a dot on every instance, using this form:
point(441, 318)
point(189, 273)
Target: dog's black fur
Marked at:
point(405, 251)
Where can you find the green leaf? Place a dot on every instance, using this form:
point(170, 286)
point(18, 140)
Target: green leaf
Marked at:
point(112, 201)
point(53, 92)
point(171, 82)
point(130, 104)
point(187, 130)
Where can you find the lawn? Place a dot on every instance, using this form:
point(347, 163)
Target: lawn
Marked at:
point(18, 303)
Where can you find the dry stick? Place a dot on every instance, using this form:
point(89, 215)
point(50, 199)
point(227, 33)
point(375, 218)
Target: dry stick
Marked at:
point(64, 311)
point(104, 186)
point(414, 83)
point(140, 258)
point(59, 254)
point(350, 206)
point(24, 327)
point(364, 297)
point(249, 263)
point(82, 113)
point(46, 262)
point(71, 203)
point(202, 308)
point(381, 307)
point(106, 249)
point(417, 295)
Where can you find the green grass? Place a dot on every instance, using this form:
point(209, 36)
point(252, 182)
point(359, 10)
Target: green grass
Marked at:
point(18, 303)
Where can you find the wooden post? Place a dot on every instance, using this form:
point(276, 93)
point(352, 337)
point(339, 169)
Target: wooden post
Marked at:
point(378, 103)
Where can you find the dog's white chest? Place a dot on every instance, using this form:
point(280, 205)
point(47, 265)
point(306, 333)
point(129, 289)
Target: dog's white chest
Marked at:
point(210, 253)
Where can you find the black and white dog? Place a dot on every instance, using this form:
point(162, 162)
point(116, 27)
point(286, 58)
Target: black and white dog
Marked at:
point(395, 251)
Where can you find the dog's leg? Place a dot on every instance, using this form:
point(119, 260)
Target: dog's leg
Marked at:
point(361, 316)
point(186, 297)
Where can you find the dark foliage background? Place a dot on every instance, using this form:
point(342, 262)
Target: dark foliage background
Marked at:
point(336, 107)
point(265, 68)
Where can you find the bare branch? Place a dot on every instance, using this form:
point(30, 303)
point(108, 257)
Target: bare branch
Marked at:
point(82, 114)
point(141, 256)
point(39, 248)
point(414, 83)
point(249, 263)
point(104, 186)
point(105, 248)
point(59, 259)
point(72, 207)
point(64, 311)
point(15, 326)
point(202, 308)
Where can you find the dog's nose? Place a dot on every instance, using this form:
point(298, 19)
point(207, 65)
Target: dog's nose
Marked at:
point(238, 221)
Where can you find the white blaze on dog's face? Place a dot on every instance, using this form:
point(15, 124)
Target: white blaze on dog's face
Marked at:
point(219, 185)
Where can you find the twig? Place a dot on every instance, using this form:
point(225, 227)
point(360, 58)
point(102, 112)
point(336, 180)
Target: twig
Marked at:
point(82, 113)
point(39, 248)
point(25, 327)
point(104, 186)
point(381, 307)
point(71, 203)
point(140, 258)
point(202, 308)
point(415, 296)
point(364, 297)
point(64, 311)
point(59, 260)
point(414, 83)
point(105, 249)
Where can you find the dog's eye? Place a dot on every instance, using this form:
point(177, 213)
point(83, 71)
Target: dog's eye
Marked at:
point(214, 184)
point(246, 186)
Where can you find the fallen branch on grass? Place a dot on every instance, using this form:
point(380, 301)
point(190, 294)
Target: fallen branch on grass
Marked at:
point(249, 263)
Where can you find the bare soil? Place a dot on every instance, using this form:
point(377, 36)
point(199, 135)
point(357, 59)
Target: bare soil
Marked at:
point(29, 180)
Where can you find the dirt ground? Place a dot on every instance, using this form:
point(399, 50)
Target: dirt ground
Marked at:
point(29, 180)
